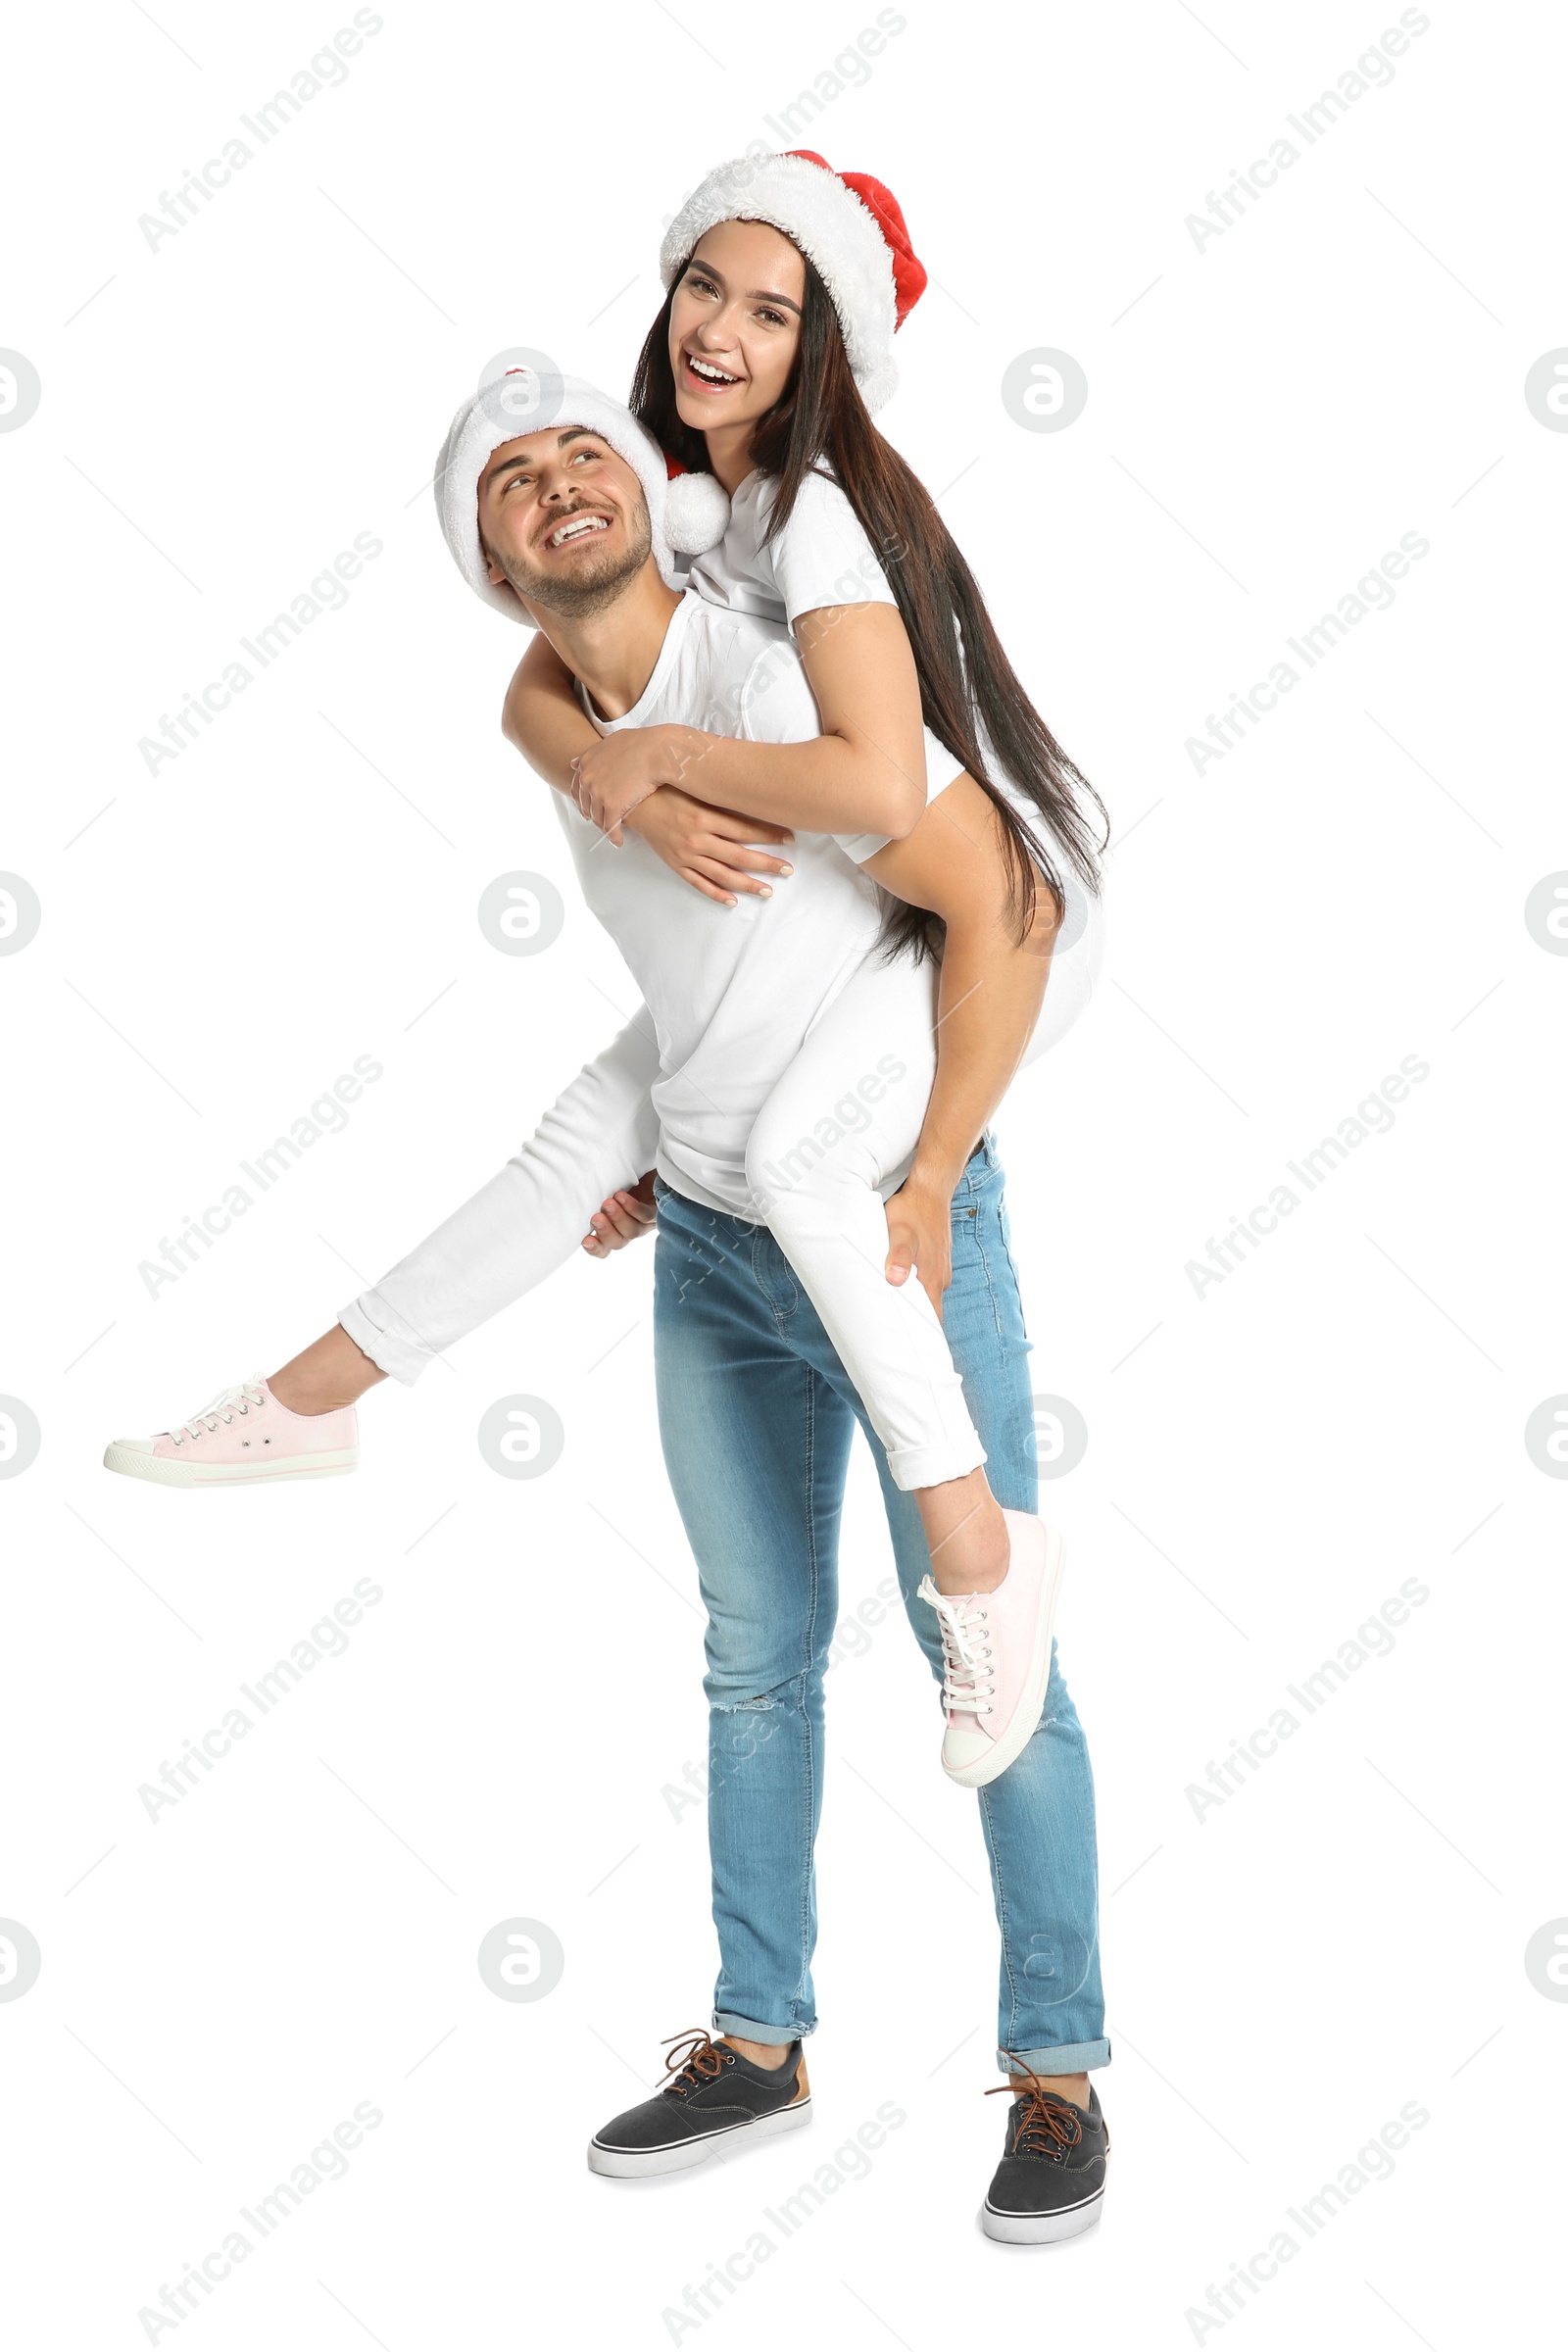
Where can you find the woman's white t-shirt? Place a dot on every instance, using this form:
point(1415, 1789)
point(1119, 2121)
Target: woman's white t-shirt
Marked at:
point(823, 557)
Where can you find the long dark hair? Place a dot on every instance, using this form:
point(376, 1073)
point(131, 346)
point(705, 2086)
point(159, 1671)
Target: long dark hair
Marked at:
point(821, 425)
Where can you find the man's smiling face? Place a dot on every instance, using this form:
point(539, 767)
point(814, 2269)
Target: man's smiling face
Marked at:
point(564, 519)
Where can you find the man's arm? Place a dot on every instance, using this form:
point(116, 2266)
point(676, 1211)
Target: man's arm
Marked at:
point(991, 991)
point(624, 1217)
point(864, 774)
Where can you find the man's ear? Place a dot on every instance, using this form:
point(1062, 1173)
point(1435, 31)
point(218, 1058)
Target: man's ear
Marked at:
point(492, 571)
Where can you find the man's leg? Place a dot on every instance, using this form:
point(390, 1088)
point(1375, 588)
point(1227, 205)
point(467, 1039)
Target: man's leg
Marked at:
point(1039, 1815)
point(749, 1383)
point(756, 1445)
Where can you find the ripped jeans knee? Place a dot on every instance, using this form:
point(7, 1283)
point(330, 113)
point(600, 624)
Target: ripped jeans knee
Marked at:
point(744, 1723)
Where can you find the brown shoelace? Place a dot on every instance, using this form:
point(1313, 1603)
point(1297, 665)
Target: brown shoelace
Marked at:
point(698, 2060)
point(1049, 2125)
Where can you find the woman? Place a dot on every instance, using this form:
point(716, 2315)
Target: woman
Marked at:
point(760, 366)
point(1040, 1838)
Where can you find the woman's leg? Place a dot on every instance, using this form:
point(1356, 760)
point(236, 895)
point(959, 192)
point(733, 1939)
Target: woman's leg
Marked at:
point(331, 1372)
point(834, 1139)
point(600, 1134)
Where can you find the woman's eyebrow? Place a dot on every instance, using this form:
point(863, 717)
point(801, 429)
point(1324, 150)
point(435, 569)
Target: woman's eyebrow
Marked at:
point(757, 294)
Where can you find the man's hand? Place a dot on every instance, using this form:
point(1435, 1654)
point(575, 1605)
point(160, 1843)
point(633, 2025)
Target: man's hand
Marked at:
point(920, 1235)
point(622, 1218)
point(713, 849)
point(620, 771)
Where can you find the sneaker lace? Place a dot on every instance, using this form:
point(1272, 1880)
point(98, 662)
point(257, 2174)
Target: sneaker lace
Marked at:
point(1048, 2123)
point(242, 1397)
point(968, 1674)
point(698, 2060)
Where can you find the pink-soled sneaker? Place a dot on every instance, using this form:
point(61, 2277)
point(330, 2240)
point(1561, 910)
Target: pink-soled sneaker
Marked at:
point(245, 1435)
point(995, 1649)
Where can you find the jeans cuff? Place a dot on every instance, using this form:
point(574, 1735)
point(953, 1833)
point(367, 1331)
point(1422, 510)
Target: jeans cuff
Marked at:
point(1067, 2058)
point(381, 1335)
point(911, 1466)
point(776, 2038)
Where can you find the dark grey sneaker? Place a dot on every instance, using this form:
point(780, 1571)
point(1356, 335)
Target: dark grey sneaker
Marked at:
point(1050, 2183)
point(714, 2095)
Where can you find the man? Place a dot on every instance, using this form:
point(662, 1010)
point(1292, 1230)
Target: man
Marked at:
point(757, 1455)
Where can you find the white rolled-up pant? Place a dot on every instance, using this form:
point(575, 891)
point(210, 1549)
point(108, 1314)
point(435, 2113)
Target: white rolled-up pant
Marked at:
point(833, 1139)
point(600, 1134)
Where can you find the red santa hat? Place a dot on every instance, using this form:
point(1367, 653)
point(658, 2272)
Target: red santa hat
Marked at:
point(688, 513)
point(846, 223)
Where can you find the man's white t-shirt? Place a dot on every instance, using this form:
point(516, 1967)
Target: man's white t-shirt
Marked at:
point(732, 990)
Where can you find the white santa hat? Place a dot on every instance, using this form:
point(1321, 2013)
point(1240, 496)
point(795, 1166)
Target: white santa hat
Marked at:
point(846, 223)
point(689, 512)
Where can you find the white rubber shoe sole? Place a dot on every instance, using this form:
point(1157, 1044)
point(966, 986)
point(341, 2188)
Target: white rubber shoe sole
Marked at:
point(678, 2156)
point(132, 1462)
point(1000, 1753)
point(1041, 2228)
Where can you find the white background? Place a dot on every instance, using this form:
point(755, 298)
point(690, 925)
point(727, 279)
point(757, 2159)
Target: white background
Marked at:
point(1267, 1462)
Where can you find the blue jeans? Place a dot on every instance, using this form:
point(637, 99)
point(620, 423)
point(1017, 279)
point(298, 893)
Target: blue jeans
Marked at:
point(757, 1415)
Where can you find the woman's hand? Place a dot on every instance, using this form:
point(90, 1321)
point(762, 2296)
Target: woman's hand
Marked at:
point(711, 849)
point(622, 1218)
point(621, 769)
point(920, 1235)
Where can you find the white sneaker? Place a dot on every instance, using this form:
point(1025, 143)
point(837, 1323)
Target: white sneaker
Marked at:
point(996, 1650)
point(244, 1435)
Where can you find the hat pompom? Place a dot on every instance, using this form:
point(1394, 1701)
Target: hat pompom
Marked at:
point(696, 513)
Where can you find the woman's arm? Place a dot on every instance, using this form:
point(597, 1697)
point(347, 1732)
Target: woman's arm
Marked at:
point(992, 988)
point(713, 850)
point(542, 717)
point(864, 773)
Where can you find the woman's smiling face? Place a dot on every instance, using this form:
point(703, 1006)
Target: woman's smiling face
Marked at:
point(735, 326)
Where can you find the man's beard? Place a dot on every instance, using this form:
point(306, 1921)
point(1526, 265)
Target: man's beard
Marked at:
point(594, 584)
